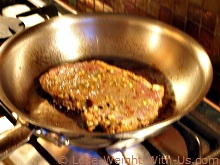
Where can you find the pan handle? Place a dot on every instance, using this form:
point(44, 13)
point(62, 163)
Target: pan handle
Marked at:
point(14, 138)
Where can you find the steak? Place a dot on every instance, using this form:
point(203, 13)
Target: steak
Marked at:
point(109, 97)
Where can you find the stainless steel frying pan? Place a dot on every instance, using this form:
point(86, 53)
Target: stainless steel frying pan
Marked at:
point(70, 38)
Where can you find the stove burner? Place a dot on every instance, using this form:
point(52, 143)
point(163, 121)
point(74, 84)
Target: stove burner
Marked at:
point(10, 26)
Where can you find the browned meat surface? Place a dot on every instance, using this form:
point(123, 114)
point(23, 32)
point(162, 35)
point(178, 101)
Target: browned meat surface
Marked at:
point(107, 96)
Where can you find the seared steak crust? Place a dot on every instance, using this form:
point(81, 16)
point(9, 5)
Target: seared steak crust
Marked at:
point(107, 96)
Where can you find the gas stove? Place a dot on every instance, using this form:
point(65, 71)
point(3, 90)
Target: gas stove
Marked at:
point(21, 14)
point(195, 139)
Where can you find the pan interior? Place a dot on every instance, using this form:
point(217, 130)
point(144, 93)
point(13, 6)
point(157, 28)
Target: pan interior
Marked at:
point(41, 108)
point(125, 41)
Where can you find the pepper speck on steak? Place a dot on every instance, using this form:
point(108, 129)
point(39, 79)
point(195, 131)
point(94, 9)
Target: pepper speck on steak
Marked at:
point(115, 99)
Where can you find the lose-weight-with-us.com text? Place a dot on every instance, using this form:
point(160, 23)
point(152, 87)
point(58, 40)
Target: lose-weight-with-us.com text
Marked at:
point(135, 160)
